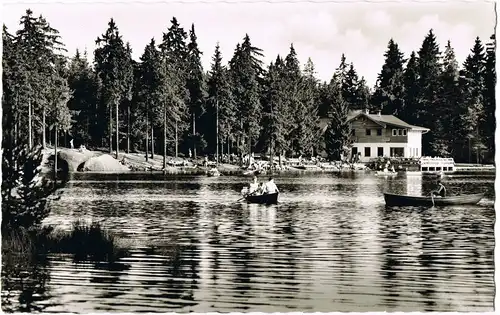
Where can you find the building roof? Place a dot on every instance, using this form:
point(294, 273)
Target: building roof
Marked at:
point(384, 120)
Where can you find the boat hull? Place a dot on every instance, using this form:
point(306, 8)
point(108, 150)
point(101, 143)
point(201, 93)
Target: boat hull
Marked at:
point(268, 199)
point(403, 200)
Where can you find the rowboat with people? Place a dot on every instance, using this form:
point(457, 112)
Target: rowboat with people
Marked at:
point(429, 201)
point(268, 199)
point(265, 193)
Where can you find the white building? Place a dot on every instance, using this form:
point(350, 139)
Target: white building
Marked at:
point(376, 135)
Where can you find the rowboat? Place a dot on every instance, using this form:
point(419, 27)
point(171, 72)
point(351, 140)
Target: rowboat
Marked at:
point(268, 199)
point(382, 173)
point(404, 200)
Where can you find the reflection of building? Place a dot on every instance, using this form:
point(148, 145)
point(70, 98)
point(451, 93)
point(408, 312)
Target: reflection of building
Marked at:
point(376, 135)
point(414, 185)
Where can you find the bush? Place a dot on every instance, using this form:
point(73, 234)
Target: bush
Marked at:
point(24, 189)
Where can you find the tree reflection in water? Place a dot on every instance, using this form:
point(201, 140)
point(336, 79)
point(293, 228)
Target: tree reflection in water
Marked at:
point(24, 282)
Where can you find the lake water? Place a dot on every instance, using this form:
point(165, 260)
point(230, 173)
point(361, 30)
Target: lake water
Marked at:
point(329, 245)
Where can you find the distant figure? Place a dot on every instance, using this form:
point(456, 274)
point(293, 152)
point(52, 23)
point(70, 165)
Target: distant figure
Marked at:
point(441, 191)
point(270, 187)
point(71, 143)
point(190, 154)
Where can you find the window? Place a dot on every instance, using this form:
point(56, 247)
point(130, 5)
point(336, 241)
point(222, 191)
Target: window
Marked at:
point(379, 132)
point(353, 132)
point(380, 151)
point(367, 152)
point(397, 152)
point(368, 132)
point(354, 151)
point(399, 132)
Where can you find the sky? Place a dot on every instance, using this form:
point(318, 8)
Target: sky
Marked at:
point(318, 29)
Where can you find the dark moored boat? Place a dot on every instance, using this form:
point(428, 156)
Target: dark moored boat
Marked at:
point(403, 200)
point(268, 199)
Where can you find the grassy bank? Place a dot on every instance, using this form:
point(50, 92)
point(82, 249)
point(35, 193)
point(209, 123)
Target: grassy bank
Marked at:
point(83, 241)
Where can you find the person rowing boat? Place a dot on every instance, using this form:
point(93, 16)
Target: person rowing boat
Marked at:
point(270, 187)
point(441, 190)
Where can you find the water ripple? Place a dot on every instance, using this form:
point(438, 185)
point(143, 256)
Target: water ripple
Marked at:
point(330, 245)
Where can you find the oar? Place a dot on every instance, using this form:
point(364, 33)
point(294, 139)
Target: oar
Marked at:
point(432, 197)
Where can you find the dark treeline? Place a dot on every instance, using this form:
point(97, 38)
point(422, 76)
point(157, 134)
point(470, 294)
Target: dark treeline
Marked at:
point(167, 104)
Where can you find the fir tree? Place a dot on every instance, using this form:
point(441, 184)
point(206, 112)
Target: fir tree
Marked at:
point(197, 87)
point(429, 71)
point(488, 122)
point(245, 70)
point(338, 133)
point(472, 87)
point(83, 82)
point(175, 55)
point(446, 123)
point(411, 88)
point(221, 104)
point(274, 118)
point(389, 93)
point(110, 57)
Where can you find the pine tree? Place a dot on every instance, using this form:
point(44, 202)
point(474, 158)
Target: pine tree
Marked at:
point(446, 116)
point(128, 84)
point(111, 65)
point(83, 82)
point(150, 90)
point(411, 88)
point(389, 93)
point(309, 137)
point(472, 87)
point(245, 70)
point(175, 58)
point(293, 107)
point(197, 87)
point(221, 105)
point(429, 71)
point(488, 122)
point(38, 47)
point(338, 133)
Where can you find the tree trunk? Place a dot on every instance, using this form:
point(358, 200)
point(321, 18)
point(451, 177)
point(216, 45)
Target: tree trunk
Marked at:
point(30, 134)
point(152, 142)
point(44, 136)
point(272, 156)
point(16, 119)
point(147, 138)
point(194, 136)
point(176, 141)
point(128, 127)
point(217, 132)
point(117, 130)
point(55, 156)
point(110, 129)
point(165, 137)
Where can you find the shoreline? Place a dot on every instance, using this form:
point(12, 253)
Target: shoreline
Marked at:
point(99, 162)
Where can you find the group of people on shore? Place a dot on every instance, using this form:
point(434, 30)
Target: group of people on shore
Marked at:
point(261, 189)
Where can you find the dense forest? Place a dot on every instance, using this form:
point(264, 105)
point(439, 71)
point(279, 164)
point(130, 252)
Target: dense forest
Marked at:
point(166, 103)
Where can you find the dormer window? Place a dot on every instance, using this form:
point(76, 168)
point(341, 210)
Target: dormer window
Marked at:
point(368, 132)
